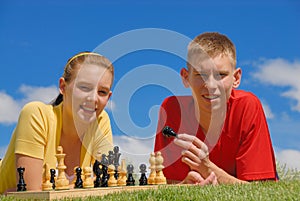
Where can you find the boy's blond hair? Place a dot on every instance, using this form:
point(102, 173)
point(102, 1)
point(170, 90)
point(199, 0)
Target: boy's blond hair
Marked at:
point(209, 45)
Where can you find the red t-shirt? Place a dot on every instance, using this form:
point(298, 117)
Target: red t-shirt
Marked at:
point(244, 149)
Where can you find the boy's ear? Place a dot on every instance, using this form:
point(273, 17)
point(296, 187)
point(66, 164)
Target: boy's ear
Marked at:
point(62, 85)
point(185, 77)
point(237, 77)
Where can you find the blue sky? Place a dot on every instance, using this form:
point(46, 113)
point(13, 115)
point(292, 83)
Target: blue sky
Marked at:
point(37, 38)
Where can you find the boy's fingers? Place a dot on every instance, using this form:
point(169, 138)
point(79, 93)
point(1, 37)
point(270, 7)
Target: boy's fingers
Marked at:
point(193, 139)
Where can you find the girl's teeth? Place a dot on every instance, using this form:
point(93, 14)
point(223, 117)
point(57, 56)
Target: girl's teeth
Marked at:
point(88, 109)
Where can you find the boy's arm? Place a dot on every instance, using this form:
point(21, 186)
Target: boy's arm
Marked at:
point(196, 157)
point(207, 167)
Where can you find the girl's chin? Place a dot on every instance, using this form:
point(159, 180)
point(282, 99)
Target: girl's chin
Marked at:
point(87, 118)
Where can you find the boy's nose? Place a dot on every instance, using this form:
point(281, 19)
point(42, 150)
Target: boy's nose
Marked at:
point(211, 83)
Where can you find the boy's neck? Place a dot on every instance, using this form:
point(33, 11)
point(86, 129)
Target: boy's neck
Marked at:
point(211, 125)
point(203, 118)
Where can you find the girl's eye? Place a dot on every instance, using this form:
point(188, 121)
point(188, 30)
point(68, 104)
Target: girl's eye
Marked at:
point(84, 88)
point(102, 93)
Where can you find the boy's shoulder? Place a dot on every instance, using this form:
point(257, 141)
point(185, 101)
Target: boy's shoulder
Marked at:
point(240, 94)
point(177, 100)
point(243, 97)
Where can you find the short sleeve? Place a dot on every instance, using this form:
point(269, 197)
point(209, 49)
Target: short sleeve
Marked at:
point(255, 158)
point(31, 130)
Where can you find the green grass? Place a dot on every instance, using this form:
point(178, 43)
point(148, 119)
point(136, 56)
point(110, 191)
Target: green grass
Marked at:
point(282, 190)
point(288, 188)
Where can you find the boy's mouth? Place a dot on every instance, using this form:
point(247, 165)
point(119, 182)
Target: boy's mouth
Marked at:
point(210, 96)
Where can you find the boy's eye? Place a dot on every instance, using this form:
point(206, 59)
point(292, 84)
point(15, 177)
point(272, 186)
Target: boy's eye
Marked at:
point(201, 74)
point(219, 76)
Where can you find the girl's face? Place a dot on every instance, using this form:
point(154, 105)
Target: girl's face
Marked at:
point(88, 93)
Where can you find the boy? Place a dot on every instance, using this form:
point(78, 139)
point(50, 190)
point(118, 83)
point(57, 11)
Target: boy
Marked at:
point(223, 135)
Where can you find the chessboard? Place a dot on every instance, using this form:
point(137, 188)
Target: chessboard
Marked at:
point(77, 193)
point(106, 176)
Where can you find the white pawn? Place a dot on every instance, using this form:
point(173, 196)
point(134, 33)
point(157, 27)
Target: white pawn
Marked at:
point(47, 185)
point(112, 180)
point(151, 178)
point(122, 174)
point(88, 180)
point(160, 178)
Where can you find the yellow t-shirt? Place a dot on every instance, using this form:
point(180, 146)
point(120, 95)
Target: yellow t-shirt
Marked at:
point(37, 135)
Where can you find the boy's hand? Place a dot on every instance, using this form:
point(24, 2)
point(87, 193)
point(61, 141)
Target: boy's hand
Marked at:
point(194, 177)
point(194, 154)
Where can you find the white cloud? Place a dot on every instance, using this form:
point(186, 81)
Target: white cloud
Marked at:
point(289, 157)
point(10, 107)
point(33, 93)
point(279, 72)
point(134, 150)
point(269, 114)
point(2, 151)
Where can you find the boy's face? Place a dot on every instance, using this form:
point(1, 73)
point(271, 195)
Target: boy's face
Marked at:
point(211, 82)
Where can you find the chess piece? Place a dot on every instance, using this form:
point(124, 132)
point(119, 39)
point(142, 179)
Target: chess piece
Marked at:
point(61, 182)
point(122, 174)
point(78, 182)
point(46, 185)
point(105, 175)
point(169, 132)
point(143, 178)
point(88, 180)
point(151, 178)
point(110, 157)
point(130, 180)
point(52, 177)
point(160, 178)
point(21, 185)
point(112, 180)
point(117, 155)
point(97, 171)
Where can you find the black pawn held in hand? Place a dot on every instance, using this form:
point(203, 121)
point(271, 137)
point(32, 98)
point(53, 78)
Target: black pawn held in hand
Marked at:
point(130, 180)
point(21, 185)
point(143, 179)
point(78, 182)
point(169, 132)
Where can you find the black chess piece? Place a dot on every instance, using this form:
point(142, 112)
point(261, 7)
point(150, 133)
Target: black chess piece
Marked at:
point(21, 185)
point(78, 182)
point(97, 171)
point(169, 132)
point(52, 177)
point(143, 180)
point(130, 180)
point(117, 155)
point(105, 175)
point(110, 158)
